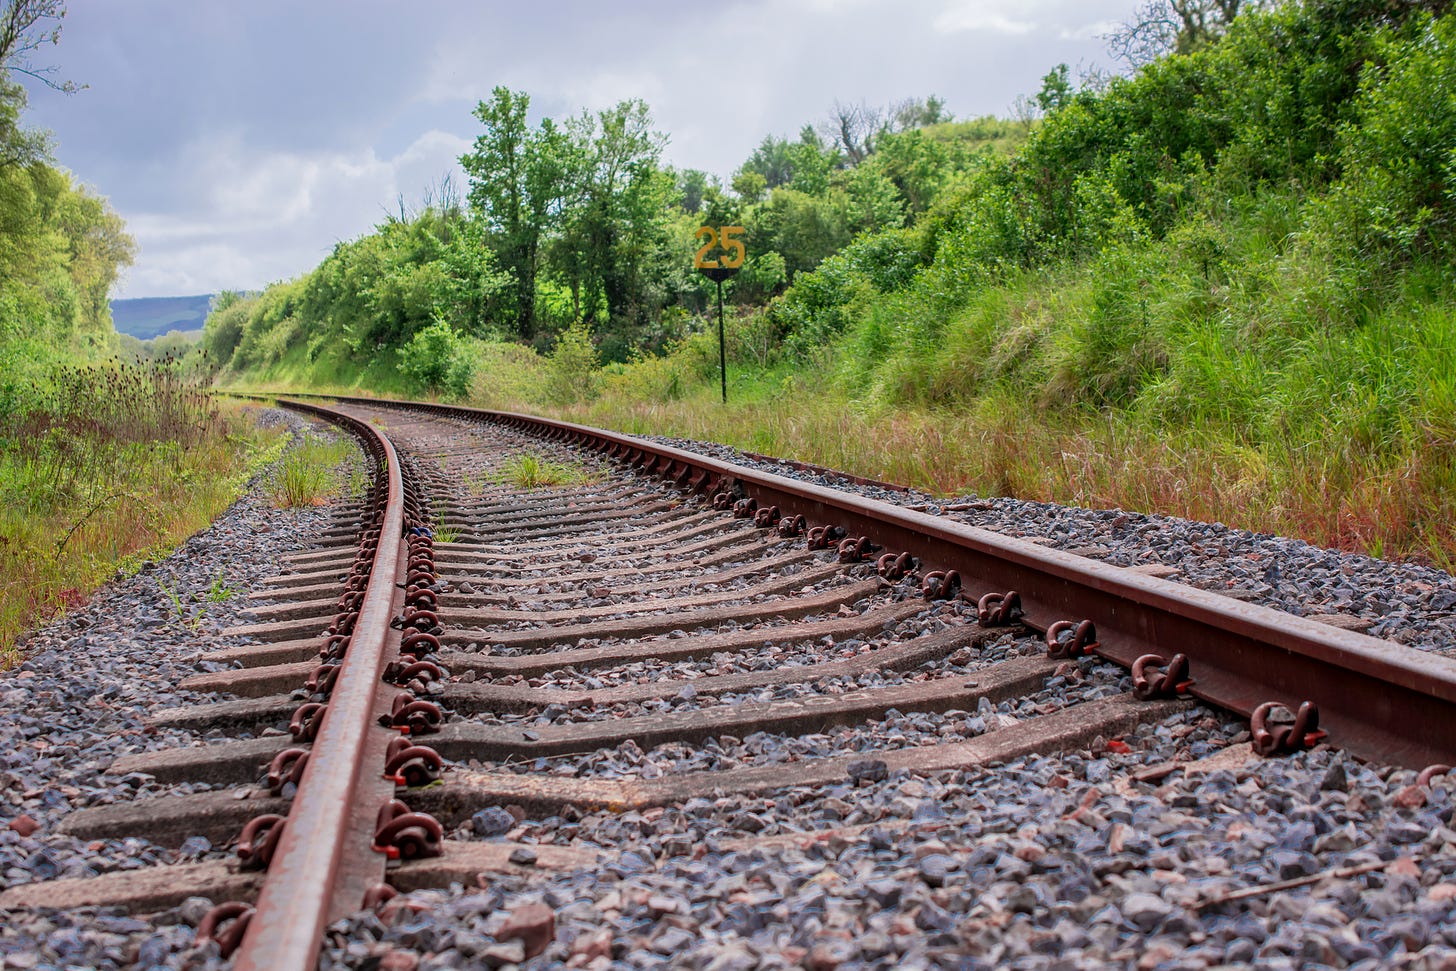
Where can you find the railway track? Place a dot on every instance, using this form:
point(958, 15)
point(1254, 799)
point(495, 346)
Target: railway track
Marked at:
point(484, 684)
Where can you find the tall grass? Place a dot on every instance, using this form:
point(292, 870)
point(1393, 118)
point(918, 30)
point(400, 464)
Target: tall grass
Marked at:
point(528, 470)
point(1400, 506)
point(311, 472)
point(101, 467)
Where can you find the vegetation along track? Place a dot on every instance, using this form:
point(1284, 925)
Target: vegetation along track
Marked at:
point(467, 657)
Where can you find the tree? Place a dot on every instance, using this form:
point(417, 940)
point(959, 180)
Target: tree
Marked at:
point(914, 113)
point(812, 160)
point(750, 186)
point(856, 130)
point(773, 159)
point(853, 129)
point(693, 184)
point(516, 185)
point(19, 147)
point(99, 247)
point(1056, 89)
point(1163, 27)
point(615, 210)
point(25, 27)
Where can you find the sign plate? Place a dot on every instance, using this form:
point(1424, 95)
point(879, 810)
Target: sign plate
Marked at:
point(727, 241)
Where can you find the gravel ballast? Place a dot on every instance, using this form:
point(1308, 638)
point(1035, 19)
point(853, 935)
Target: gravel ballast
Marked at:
point(1404, 602)
point(78, 701)
point(1123, 854)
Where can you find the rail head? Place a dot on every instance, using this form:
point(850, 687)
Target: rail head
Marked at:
point(297, 901)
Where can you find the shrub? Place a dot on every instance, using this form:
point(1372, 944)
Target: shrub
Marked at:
point(437, 359)
point(571, 367)
point(508, 375)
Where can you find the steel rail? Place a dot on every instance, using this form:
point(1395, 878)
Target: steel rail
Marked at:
point(300, 894)
point(1376, 699)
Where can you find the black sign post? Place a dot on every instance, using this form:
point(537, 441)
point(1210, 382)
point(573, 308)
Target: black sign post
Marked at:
point(719, 269)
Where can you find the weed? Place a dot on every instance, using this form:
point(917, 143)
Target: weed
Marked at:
point(102, 469)
point(527, 470)
point(219, 592)
point(443, 532)
point(476, 484)
point(179, 612)
point(310, 473)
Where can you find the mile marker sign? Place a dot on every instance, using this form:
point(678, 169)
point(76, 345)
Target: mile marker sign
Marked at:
point(729, 260)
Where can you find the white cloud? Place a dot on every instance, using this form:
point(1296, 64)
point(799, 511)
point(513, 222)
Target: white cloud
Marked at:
point(961, 19)
point(256, 218)
point(1066, 21)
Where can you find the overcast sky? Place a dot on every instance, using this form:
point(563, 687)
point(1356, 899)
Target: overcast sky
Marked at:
point(240, 139)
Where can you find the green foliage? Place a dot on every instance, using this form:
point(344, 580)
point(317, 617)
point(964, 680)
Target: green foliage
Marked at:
point(571, 367)
point(1399, 189)
point(437, 359)
point(309, 473)
point(1056, 89)
point(372, 294)
point(61, 248)
point(508, 375)
point(528, 470)
point(822, 304)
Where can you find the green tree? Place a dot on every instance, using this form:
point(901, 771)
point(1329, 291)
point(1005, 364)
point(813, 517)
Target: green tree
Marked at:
point(25, 27)
point(613, 232)
point(1056, 89)
point(437, 359)
point(693, 185)
point(773, 160)
point(99, 247)
point(517, 177)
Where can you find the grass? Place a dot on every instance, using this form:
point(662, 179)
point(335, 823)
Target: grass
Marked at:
point(443, 532)
point(311, 472)
point(220, 591)
point(105, 469)
point(1403, 508)
point(528, 470)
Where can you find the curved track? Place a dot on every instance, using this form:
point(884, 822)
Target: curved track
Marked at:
point(669, 600)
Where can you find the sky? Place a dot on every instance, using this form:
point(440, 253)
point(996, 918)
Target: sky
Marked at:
point(241, 139)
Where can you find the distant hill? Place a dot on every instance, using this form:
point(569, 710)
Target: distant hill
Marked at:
point(148, 317)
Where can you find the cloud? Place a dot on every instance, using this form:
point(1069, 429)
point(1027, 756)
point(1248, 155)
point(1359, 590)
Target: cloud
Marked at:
point(240, 141)
point(257, 217)
point(1019, 18)
point(969, 18)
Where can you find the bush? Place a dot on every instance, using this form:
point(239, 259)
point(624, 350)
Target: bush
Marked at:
point(438, 360)
point(571, 367)
point(1400, 170)
point(508, 376)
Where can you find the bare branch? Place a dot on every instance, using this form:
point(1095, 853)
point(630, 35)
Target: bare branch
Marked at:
point(1161, 27)
point(854, 128)
point(25, 27)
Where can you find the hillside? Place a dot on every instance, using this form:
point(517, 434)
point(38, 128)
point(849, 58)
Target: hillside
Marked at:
point(1220, 286)
point(147, 317)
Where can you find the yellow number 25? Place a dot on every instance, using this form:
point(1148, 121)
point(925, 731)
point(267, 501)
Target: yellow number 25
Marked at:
point(728, 237)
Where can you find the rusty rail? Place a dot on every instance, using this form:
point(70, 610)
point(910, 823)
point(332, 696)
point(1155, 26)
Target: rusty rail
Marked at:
point(324, 863)
point(1374, 698)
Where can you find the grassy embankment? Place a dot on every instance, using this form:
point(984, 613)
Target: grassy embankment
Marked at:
point(1264, 388)
point(1264, 394)
point(102, 469)
point(1221, 287)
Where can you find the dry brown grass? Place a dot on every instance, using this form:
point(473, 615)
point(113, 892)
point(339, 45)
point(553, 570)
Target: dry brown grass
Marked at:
point(1401, 510)
point(116, 469)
